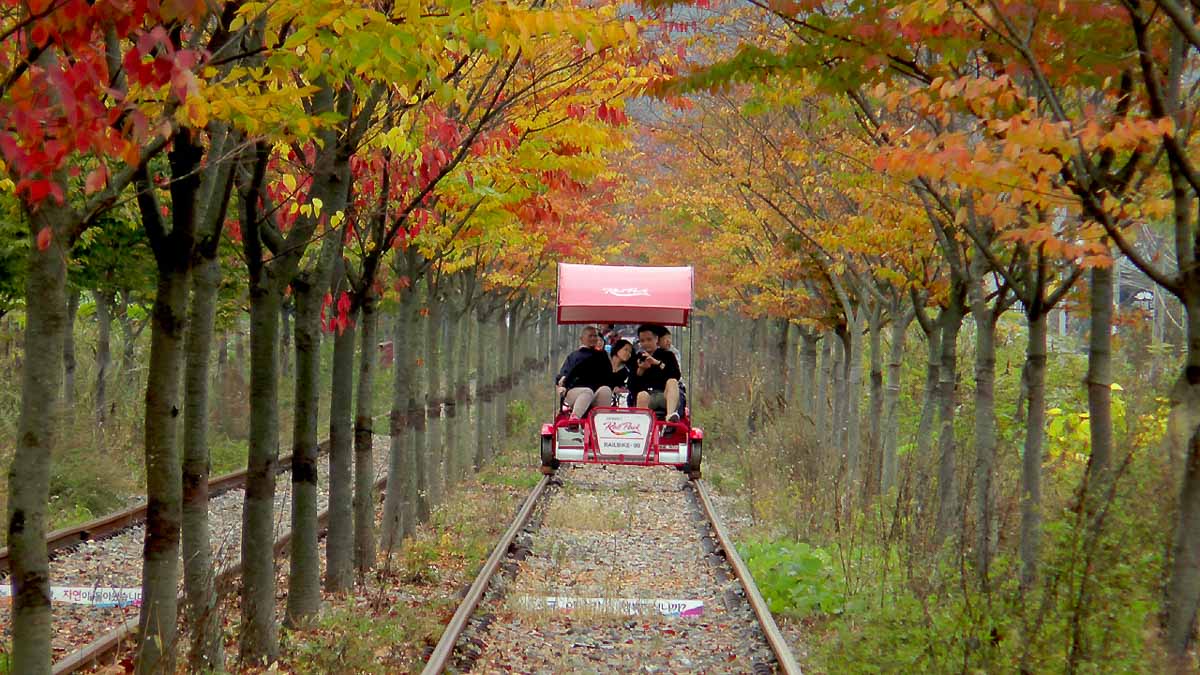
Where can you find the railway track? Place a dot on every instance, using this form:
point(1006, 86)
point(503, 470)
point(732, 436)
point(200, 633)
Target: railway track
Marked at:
point(106, 554)
point(614, 569)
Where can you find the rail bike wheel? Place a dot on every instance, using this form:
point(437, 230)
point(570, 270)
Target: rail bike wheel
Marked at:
point(549, 463)
point(694, 458)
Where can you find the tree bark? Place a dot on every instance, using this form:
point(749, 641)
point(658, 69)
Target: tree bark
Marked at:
point(104, 314)
point(948, 509)
point(985, 316)
point(1099, 379)
point(781, 374)
point(29, 473)
point(285, 341)
point(164, 401)
point(891, 398)
point(364, 467)
point(451, 366)
point(259, 639)
point(399, 512)
point(130, 332)
point(206, 652)
point(929, 399)
point(854, 399)
point(838, 432)
point(304, 572)
point(480, 399)
point(808, 372)
point(875, 443)
point(822, 410)
point(339, 541)
point(436, 460)
point(69, 363)
point(1031, 463)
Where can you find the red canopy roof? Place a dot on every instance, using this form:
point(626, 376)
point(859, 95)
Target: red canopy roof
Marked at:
point(624, 294)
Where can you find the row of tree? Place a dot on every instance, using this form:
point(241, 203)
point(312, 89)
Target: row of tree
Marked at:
point(326, 157)
point(844, 170)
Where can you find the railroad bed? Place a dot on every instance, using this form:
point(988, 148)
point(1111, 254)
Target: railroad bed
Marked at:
point(613, 542)
point(116, 561)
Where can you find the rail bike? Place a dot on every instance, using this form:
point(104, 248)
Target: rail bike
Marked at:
point(615, 434)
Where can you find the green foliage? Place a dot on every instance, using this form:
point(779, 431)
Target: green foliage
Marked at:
point(350, 640)
point(226, 455)
point(794, 578)
point(517, 416)
point(82, 488)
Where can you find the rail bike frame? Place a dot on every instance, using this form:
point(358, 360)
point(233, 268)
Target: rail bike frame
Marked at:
point(611, 435)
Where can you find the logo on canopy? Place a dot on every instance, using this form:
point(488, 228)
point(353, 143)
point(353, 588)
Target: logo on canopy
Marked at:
point(625, 292)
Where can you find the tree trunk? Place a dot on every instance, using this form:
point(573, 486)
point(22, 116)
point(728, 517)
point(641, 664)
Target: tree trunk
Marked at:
point(158, 619)
point(104, 312)
point(985, 315)
point(854, 399)
point(822, 410)
point(503, 380)
point(808, 372)
point(364, 439)
point(947, 448)
point(206, 653)
point(285, 341)
point(451, 366)
point(931, 328)
point(304, 572)
point(433, 352)
point(781, 373)
point(481, 398)
point(399, 500)
point(259, 638)
point(339, 541)
point(1182, 592)
point(69, 364)
point(29, 472)
point(985, 438)
point(929, 398)
point(1031, 464)
point(838, 433)
point(874, 448)
point(129, 336)
point(1099, 380)
point(891, 399)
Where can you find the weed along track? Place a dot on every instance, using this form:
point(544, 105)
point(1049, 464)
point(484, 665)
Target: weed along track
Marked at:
point(616, 569)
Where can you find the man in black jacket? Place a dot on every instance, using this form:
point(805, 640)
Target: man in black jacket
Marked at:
point(589, 342)
point(654, 382)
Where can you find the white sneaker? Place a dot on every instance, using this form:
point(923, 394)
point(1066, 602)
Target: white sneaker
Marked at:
point(673, 417)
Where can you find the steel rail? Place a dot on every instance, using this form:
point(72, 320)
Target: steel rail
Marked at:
point(440, 658)
point(101, 649)
point(111, 524)
point(783, 653)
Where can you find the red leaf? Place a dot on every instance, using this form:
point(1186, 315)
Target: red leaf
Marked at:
point(43, 238)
